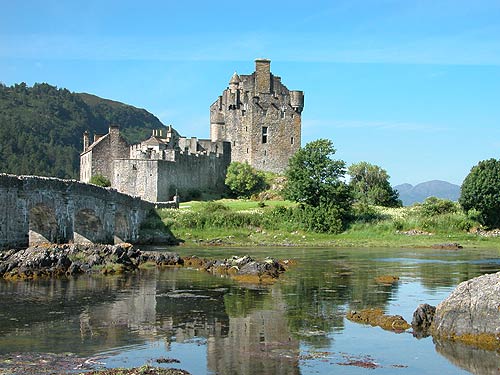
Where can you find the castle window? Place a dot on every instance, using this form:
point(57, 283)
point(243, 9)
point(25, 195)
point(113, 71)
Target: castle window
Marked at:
point(134, 167)
point(291, 140)
point(234, 143)
point(282, 114)
point(265, 153)
point(247, 150)
point(264, 134)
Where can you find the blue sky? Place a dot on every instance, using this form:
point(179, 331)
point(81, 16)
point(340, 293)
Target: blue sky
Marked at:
point(411, 86)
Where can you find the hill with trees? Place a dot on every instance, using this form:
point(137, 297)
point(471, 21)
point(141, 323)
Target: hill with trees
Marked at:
point(41, 127)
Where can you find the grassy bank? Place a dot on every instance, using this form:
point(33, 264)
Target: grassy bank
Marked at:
point(250, 223)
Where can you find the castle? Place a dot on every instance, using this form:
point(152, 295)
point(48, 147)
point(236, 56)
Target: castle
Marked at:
point(256, 120)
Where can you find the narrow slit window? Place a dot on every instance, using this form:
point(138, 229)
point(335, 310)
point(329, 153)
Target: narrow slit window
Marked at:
point(264, 134)
point(291, 140)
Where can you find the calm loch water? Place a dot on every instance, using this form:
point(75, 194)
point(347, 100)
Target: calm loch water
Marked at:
point(212, 325)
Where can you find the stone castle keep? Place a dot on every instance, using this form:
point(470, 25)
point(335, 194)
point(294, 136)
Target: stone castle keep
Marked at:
point(255, 120)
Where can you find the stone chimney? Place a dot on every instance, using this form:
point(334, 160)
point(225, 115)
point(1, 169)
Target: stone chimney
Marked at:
point(114, 130)
point(262, 76)
point(86, 140)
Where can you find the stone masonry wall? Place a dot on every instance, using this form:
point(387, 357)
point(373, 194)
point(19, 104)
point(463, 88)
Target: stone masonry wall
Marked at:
point(40, 209)
point(97, 159)
point(157, 180)
point(261, 119)
point(137, 177)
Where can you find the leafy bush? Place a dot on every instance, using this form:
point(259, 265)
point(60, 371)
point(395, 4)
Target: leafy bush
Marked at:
point(243, 180)
point(364, 213)
point(321, 219)
point(481, 192)
point(100, 180)
point(434, 206)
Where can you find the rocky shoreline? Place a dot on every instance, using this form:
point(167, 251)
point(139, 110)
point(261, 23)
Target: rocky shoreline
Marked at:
point(469, 315)
point(45, 261)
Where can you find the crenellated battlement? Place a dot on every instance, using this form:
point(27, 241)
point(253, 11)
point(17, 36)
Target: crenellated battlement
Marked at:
point(260, 117)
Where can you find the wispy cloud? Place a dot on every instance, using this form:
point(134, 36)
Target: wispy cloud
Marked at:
point(478, 47)
point(380, 125)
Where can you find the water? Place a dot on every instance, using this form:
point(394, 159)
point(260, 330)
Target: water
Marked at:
point(212, 325)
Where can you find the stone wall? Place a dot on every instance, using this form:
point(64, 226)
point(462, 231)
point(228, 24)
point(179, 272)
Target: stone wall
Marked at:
point(158, 180)
point(97, 158)
point(40, 210)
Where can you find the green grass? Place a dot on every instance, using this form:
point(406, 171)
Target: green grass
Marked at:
point(236, 204)
point(234, 222)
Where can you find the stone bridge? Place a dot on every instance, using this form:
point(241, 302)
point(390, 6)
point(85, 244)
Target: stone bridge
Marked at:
point(36, 210)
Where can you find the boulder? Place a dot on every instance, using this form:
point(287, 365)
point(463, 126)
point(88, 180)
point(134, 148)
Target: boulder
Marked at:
point(471, 313)
point(422, 320)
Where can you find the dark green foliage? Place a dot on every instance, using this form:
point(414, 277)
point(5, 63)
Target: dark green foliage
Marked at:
point(100, 180)
point(364, 213)
point(481, 192)
point(323, 218)
point(41, 127)
point(370, 185)
point(192, 195)
point(214, 207)
point(154, 222)
point(312, 175)
point(315, 180)
point(435, 206)
point(243, 180)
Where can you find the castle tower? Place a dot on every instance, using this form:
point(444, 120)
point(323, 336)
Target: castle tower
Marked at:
point(260, 117)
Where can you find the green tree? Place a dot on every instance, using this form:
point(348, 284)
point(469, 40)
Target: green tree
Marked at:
point(243, 180)
point(370, 185)
point(313, 176)
point(100, 180)
point(315, 179)
point(481, 192)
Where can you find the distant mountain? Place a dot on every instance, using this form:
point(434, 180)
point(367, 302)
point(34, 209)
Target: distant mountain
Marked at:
point(41, 127)
point(410, 194)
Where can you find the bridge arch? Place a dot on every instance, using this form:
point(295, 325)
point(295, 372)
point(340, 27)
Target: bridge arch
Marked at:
point(42, 224)
point(122, 228)
point(88, 227)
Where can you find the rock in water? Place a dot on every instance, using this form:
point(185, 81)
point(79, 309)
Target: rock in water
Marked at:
point(422, 319)
point(471, 313)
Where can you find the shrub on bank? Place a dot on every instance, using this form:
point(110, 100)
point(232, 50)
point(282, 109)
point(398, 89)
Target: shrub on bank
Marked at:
point(435, 216)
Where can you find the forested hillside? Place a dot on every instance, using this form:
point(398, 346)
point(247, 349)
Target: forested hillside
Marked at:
point(41, 127)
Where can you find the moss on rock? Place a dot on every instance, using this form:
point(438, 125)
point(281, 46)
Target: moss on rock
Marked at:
point(376, 317)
